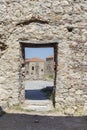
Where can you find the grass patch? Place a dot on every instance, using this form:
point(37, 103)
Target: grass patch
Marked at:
point(51, 76)
point(48, 77)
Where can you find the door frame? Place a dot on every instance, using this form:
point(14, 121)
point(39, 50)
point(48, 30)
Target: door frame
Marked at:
point(38, 44)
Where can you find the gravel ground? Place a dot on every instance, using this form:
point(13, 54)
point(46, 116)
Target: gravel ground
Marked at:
point(37, 84)
point(33, 89)
point(17, 121)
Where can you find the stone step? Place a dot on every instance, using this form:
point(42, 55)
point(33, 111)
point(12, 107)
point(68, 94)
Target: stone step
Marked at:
point(38, 103)
point(37, 108)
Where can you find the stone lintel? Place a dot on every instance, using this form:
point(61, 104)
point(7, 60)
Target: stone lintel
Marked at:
point(27, 43)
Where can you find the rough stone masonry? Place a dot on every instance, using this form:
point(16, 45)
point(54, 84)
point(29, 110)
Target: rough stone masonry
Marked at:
point(38, 20)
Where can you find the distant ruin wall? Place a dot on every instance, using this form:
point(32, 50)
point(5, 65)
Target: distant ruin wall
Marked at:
point(64, 21)
point(49, 66)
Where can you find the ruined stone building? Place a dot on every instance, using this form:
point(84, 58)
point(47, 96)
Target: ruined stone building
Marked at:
point(34, 68)
point(61, 24)
point(49, 66)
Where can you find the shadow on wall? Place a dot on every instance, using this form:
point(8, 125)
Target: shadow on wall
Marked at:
point(1, 111)
point(39, 94)
point(16, 121)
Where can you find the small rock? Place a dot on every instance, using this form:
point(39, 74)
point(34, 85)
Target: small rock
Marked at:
point(2, 79)
point(78, 92)
point(69, 111)
point(36, 121)
point(85, 106)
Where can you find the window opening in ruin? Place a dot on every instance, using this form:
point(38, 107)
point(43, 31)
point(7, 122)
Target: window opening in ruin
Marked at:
point(40, 72)
point(32, 67)
point(41, 69)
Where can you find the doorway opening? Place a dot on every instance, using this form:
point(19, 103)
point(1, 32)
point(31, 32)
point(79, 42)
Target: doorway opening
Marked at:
point(39, 65)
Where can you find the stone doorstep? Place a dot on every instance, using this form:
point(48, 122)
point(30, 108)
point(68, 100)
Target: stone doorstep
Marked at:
point(38, 103)
point(37, 108)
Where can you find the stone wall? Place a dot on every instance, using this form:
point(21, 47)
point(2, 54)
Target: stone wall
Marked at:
point(36, 20)
point(49, 66)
